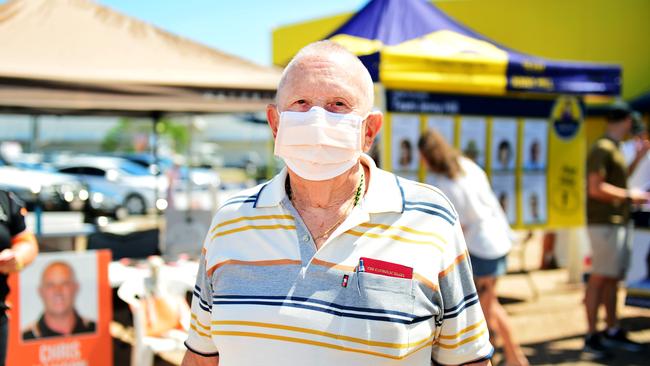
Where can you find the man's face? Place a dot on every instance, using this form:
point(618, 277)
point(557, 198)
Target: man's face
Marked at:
point(329, 82)
point(58, 290)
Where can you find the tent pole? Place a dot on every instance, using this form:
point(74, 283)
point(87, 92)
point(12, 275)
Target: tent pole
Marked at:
point(33, 143)
point(156, 118)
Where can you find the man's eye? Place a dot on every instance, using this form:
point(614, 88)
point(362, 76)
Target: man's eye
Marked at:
point(339, 104)
point(301, 101)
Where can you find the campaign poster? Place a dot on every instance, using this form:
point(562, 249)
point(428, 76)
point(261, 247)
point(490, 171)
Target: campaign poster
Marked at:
point(61, 310)
point(504, 188)
point(444, 125)
point(535, 144)
point(405, 135)
point(534, 198)
point(504, 144)
point(472, 139)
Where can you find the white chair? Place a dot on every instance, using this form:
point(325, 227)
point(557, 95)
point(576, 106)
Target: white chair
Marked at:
point(132, 291)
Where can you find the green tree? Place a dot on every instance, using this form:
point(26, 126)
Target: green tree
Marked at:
point(124, 136)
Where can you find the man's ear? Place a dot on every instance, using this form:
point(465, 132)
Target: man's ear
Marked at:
point(373, 125)
point(273, 118)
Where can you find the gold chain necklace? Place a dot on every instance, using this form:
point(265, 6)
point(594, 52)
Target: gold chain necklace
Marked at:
point(357, 197)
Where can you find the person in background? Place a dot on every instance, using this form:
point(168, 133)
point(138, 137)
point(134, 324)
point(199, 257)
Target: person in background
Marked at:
point(18, 248)
point(637, 155)
point(635, 148)
point(608, 206)
point(484, 225)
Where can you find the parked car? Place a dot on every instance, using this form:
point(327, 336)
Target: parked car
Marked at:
point(115, 182)
point(202, 178)
point(54, 191)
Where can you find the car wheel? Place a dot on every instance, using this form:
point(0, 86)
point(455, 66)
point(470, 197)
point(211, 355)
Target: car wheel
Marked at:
point(135, 205)
point(121, 213)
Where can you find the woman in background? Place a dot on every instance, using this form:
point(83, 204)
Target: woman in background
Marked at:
point(18, 248)
point(485, 227)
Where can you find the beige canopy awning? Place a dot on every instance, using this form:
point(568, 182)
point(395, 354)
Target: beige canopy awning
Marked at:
point(78, 57)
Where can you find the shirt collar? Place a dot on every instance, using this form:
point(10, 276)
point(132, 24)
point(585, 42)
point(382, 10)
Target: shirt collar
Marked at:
point(384, 192)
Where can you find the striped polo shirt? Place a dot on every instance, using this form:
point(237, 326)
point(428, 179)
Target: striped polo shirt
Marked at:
point(391, 286)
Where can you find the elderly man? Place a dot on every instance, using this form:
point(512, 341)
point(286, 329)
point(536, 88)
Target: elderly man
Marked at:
point(58, 290)
point(334, 261)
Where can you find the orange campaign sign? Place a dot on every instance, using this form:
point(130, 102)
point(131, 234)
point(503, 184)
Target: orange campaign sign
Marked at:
point(61, 311)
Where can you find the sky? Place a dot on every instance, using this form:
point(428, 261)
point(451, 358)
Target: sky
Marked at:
point(239, 27)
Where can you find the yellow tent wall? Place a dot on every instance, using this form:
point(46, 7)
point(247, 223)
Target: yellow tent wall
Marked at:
point(583, 30)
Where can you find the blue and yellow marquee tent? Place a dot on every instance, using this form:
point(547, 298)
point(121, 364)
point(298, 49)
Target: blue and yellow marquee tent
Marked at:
point(432, 72)
point(412, 45)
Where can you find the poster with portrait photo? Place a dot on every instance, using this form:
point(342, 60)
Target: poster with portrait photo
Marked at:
point(504, 188)
point(533, 198)
point(444, 125)
point(405, 134)
point(535, 144)
point(504, 144)
point(43, 297)
point(54, 283)
point(472, 138)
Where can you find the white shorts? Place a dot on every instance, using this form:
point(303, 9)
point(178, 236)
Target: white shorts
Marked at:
point(610, 250)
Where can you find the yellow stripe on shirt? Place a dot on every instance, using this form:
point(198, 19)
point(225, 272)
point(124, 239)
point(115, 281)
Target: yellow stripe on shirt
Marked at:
point(252, 218)
point(273, 262)
point(196, 319)
point(464, 341)
point(394, 237)
point(463, 331)
point(316, 343)
point(457, 260)
point(405, 229)
point(322, 333)
point(253, 227)
point(197, 331)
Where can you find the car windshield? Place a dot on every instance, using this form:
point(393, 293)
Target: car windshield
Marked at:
point(133, 168)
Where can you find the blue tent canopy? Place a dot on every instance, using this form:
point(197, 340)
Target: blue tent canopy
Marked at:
point(411, 44)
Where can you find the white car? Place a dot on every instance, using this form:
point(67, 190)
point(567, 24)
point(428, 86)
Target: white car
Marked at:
point(55, 191)
point(116, 182)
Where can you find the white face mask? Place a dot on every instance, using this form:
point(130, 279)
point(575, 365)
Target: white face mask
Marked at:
point(317, 144)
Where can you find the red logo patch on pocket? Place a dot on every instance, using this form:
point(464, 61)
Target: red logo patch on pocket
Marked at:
point(383, 268)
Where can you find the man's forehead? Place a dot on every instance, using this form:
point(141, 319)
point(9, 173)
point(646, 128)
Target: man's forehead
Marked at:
point(58, 270)
point(333, 71)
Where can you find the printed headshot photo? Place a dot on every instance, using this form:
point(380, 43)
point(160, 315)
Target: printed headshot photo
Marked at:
point(535, 144)
point(504, 154)
point(58, 296)
point(405, 134)
point(534, 198)
point(504, 186)
point(405, 154)
point(504, 143)
point(473, 139)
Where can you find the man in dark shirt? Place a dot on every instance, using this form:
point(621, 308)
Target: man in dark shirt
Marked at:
point(18, 248)
point(58, 290)
point(608, 205)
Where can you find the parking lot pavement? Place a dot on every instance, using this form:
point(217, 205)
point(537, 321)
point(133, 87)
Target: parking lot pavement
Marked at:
point(551, 327)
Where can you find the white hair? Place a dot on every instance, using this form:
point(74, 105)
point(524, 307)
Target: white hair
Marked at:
point(328, 48)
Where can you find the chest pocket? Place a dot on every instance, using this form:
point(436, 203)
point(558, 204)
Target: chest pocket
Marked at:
point(377, 314)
